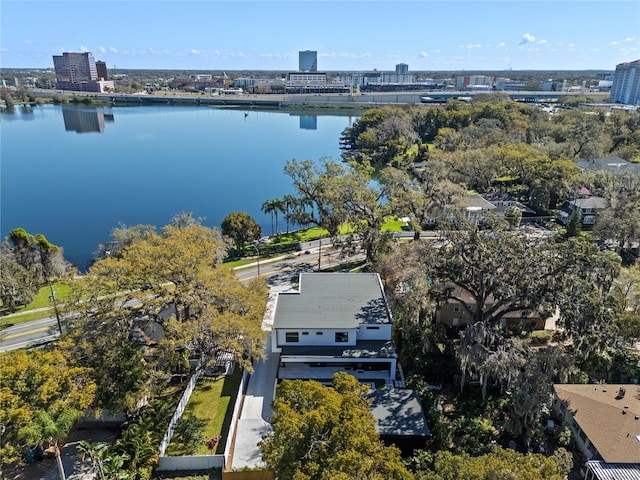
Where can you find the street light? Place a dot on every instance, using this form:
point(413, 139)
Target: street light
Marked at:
point(258, 252)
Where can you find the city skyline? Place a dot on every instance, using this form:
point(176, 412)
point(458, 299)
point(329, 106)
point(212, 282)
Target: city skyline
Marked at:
point(352, 35)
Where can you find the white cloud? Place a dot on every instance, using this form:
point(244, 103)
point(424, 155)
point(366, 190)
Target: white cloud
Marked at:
point(113, 50)
point(437, 51)
point(423, 54)
point(4, 50)
point(83, 48)
point(542, 42)
point(27, 42)
point(527, 38)
point(474, 45)
point(101, 49)
point(502, 44)
point(614, 43)
point(154, 52)
point(629, 39)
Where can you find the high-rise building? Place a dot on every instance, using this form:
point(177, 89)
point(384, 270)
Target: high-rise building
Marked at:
point(75, 71)
point(101, 70)
point(402, 69)
point(78, 72)
point(626, 83)
point(308, 61)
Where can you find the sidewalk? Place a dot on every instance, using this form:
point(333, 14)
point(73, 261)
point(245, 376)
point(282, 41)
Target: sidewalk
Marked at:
point(253, 423)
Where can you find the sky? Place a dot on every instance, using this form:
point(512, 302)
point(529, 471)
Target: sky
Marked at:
point(348, 35)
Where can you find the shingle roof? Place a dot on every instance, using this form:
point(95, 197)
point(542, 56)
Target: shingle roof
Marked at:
point(600, 412)
point(590, 202)
point(333, 300)
point(611, 164)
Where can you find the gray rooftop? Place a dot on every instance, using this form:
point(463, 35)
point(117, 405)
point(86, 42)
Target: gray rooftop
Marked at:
point(398, 412)
point(610, 164)
point(333, 300)
point(590, 202)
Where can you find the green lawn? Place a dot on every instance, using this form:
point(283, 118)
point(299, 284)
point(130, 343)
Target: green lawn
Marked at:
point(41, 300)
point(212, 400)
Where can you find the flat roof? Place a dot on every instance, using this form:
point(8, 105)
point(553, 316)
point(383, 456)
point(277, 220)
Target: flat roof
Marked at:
point(609, 419)
point(333, 300)
point(398, 412)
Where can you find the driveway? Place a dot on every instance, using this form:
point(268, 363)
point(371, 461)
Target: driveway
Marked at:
point(253, 423)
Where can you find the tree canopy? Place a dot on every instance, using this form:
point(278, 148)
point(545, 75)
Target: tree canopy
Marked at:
point(173, 283)
point(327, 433)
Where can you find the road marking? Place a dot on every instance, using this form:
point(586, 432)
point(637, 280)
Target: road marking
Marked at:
point(26, 333)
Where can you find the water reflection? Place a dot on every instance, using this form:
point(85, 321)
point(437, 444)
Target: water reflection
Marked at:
point(309, 122)
point(82, 120)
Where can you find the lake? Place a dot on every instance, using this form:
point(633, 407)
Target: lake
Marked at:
point(74, 173)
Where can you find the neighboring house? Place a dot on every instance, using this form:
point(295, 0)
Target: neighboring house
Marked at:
point(587, 207)
point(452, 313)
point(341, 322)
point(147, 333)
point(503, 200)
point(608, 164)
point(336, 322)
point(473, 208)
point(605, 423)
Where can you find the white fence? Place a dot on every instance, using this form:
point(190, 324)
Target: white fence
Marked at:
point(190, 462)
point(179, 410)
point(199, 462)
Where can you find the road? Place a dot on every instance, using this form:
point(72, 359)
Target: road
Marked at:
point(278, 271)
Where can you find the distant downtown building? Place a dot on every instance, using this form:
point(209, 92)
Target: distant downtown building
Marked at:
point(308, 61)
point(77, 72)
point(626, 83)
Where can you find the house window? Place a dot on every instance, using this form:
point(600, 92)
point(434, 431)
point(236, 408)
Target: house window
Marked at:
point(373, 328)
point(456, 307)
point(342, 337)
point(305, 333)
point(319, 333)
point(291, 337)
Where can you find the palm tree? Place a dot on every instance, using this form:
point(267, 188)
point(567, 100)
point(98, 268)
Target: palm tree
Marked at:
point(278, 207)
point(46, 427)
point(269, 207)
point(290, 203)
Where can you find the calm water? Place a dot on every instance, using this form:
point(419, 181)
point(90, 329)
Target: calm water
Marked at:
point(75, 173)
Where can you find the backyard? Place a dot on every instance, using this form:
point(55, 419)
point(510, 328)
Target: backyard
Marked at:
point(212, 401)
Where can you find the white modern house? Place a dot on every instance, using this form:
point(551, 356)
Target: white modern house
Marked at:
point(335, 322)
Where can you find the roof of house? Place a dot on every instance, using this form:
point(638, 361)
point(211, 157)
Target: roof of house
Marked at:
point(611, 164)
point(590, 202)
point(147, 332)
point(476, 202)
point(398, 412)
point(362, 349)
point(615, 471)
point(333, 300)
point(611, 421)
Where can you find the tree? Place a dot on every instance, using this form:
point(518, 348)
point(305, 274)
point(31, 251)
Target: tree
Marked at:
point(574, 225)
point(513, 216)
point(500, 464)
point(188, 430)
point(343, 196)
point(17, 286)
point(241, 228)
point(42, 394)
point(325, 433)
point(270, 207)
point(35, 253)
point(173, 278)
point(423, 194)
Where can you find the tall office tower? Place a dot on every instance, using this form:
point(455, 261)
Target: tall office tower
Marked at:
point(402, 69)
point(308, 61)
point(75, 71)
point(101, 69)
point(626, 83)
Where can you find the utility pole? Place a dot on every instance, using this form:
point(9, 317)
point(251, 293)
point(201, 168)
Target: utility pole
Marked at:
point(52, 298)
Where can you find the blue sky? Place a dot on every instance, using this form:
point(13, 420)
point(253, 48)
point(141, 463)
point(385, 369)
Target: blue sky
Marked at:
point(348, 35)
